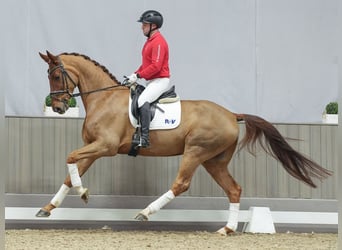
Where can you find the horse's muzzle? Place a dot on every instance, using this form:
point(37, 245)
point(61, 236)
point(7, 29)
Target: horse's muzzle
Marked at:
point(60, 106)
point(60, 109)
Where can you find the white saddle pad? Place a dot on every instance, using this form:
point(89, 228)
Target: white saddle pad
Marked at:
point(168, 120)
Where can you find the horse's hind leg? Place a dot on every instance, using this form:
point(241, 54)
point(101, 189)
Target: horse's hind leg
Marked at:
point(181, 184)
point(57, 200)
point(218, 169)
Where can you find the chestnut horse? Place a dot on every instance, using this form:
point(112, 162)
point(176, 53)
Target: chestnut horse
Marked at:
point(210, 142)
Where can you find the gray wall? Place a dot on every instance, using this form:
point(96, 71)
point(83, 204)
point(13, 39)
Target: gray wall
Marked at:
point(4, 162)
point(3, 151)
point(277, 59)
point(339, 144)
point(38, 148)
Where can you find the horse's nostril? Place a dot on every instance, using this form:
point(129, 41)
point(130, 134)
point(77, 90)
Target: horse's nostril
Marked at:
point(58, 110)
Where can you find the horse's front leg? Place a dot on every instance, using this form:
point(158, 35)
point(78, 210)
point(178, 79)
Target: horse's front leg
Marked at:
point(78, 163)
point(92, 151)
point(76, 183)
point(64, 190)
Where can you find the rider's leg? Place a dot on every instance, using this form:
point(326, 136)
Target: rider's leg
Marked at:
point(145, 119)
point(153, 90)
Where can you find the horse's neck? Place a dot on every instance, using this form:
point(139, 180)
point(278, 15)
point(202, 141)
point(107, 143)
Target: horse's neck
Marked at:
point(92, 78)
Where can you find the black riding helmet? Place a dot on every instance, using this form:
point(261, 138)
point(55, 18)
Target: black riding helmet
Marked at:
point(152, 16)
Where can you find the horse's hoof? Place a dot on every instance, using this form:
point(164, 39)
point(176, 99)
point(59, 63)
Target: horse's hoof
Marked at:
point(225, 231)
point(141, 217)
point(85, 195)
point(43, 213)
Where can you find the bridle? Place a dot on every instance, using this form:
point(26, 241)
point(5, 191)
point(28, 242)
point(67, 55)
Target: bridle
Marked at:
point(65, 77)
point(66, 88)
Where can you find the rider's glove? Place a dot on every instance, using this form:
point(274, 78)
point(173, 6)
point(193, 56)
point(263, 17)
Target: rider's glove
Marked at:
point(132, 78)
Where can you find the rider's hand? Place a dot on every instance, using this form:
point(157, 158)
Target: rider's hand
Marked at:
point(132, 78)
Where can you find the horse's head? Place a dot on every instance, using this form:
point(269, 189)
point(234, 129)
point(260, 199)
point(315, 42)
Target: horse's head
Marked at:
point(62, 82)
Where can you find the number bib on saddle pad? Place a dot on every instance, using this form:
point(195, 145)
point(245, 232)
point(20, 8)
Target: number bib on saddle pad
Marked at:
point(168, 119)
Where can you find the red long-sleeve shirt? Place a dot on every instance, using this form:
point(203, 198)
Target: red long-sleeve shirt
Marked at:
point(155, 58)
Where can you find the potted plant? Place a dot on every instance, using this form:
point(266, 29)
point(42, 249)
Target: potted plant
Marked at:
point(330, 114)
point(73, 110)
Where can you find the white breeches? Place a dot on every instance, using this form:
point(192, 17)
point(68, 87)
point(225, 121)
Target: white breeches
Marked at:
point(153, 90)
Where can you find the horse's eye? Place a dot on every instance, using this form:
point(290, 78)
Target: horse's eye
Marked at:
point(56, 78)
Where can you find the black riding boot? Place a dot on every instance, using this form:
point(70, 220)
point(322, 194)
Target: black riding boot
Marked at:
point(145, 119)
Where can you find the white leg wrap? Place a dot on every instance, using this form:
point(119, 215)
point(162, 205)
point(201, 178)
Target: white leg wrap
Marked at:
point(233, 216)
point(160, 202)
point(80, 190)
point(74, 175)
point(60, 195)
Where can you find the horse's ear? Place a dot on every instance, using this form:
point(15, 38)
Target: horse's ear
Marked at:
point(52, 58)
point(44, 57)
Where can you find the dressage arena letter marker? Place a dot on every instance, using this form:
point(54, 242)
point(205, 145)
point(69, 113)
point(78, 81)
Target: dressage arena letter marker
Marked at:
point(260, 221)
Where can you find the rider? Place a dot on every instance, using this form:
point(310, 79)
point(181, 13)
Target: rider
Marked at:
point(154, 69)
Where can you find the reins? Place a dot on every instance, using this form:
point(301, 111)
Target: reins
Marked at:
point(66, 76)
point(96, 90)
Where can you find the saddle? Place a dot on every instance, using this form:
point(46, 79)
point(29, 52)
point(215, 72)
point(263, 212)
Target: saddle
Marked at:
point(168, 97)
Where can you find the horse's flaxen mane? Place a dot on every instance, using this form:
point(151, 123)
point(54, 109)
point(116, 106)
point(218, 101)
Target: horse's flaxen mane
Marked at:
point(95, 62)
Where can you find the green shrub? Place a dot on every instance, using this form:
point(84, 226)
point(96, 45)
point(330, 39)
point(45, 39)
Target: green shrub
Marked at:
point(72, 102)
point(331, 108)
point(48, 101)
